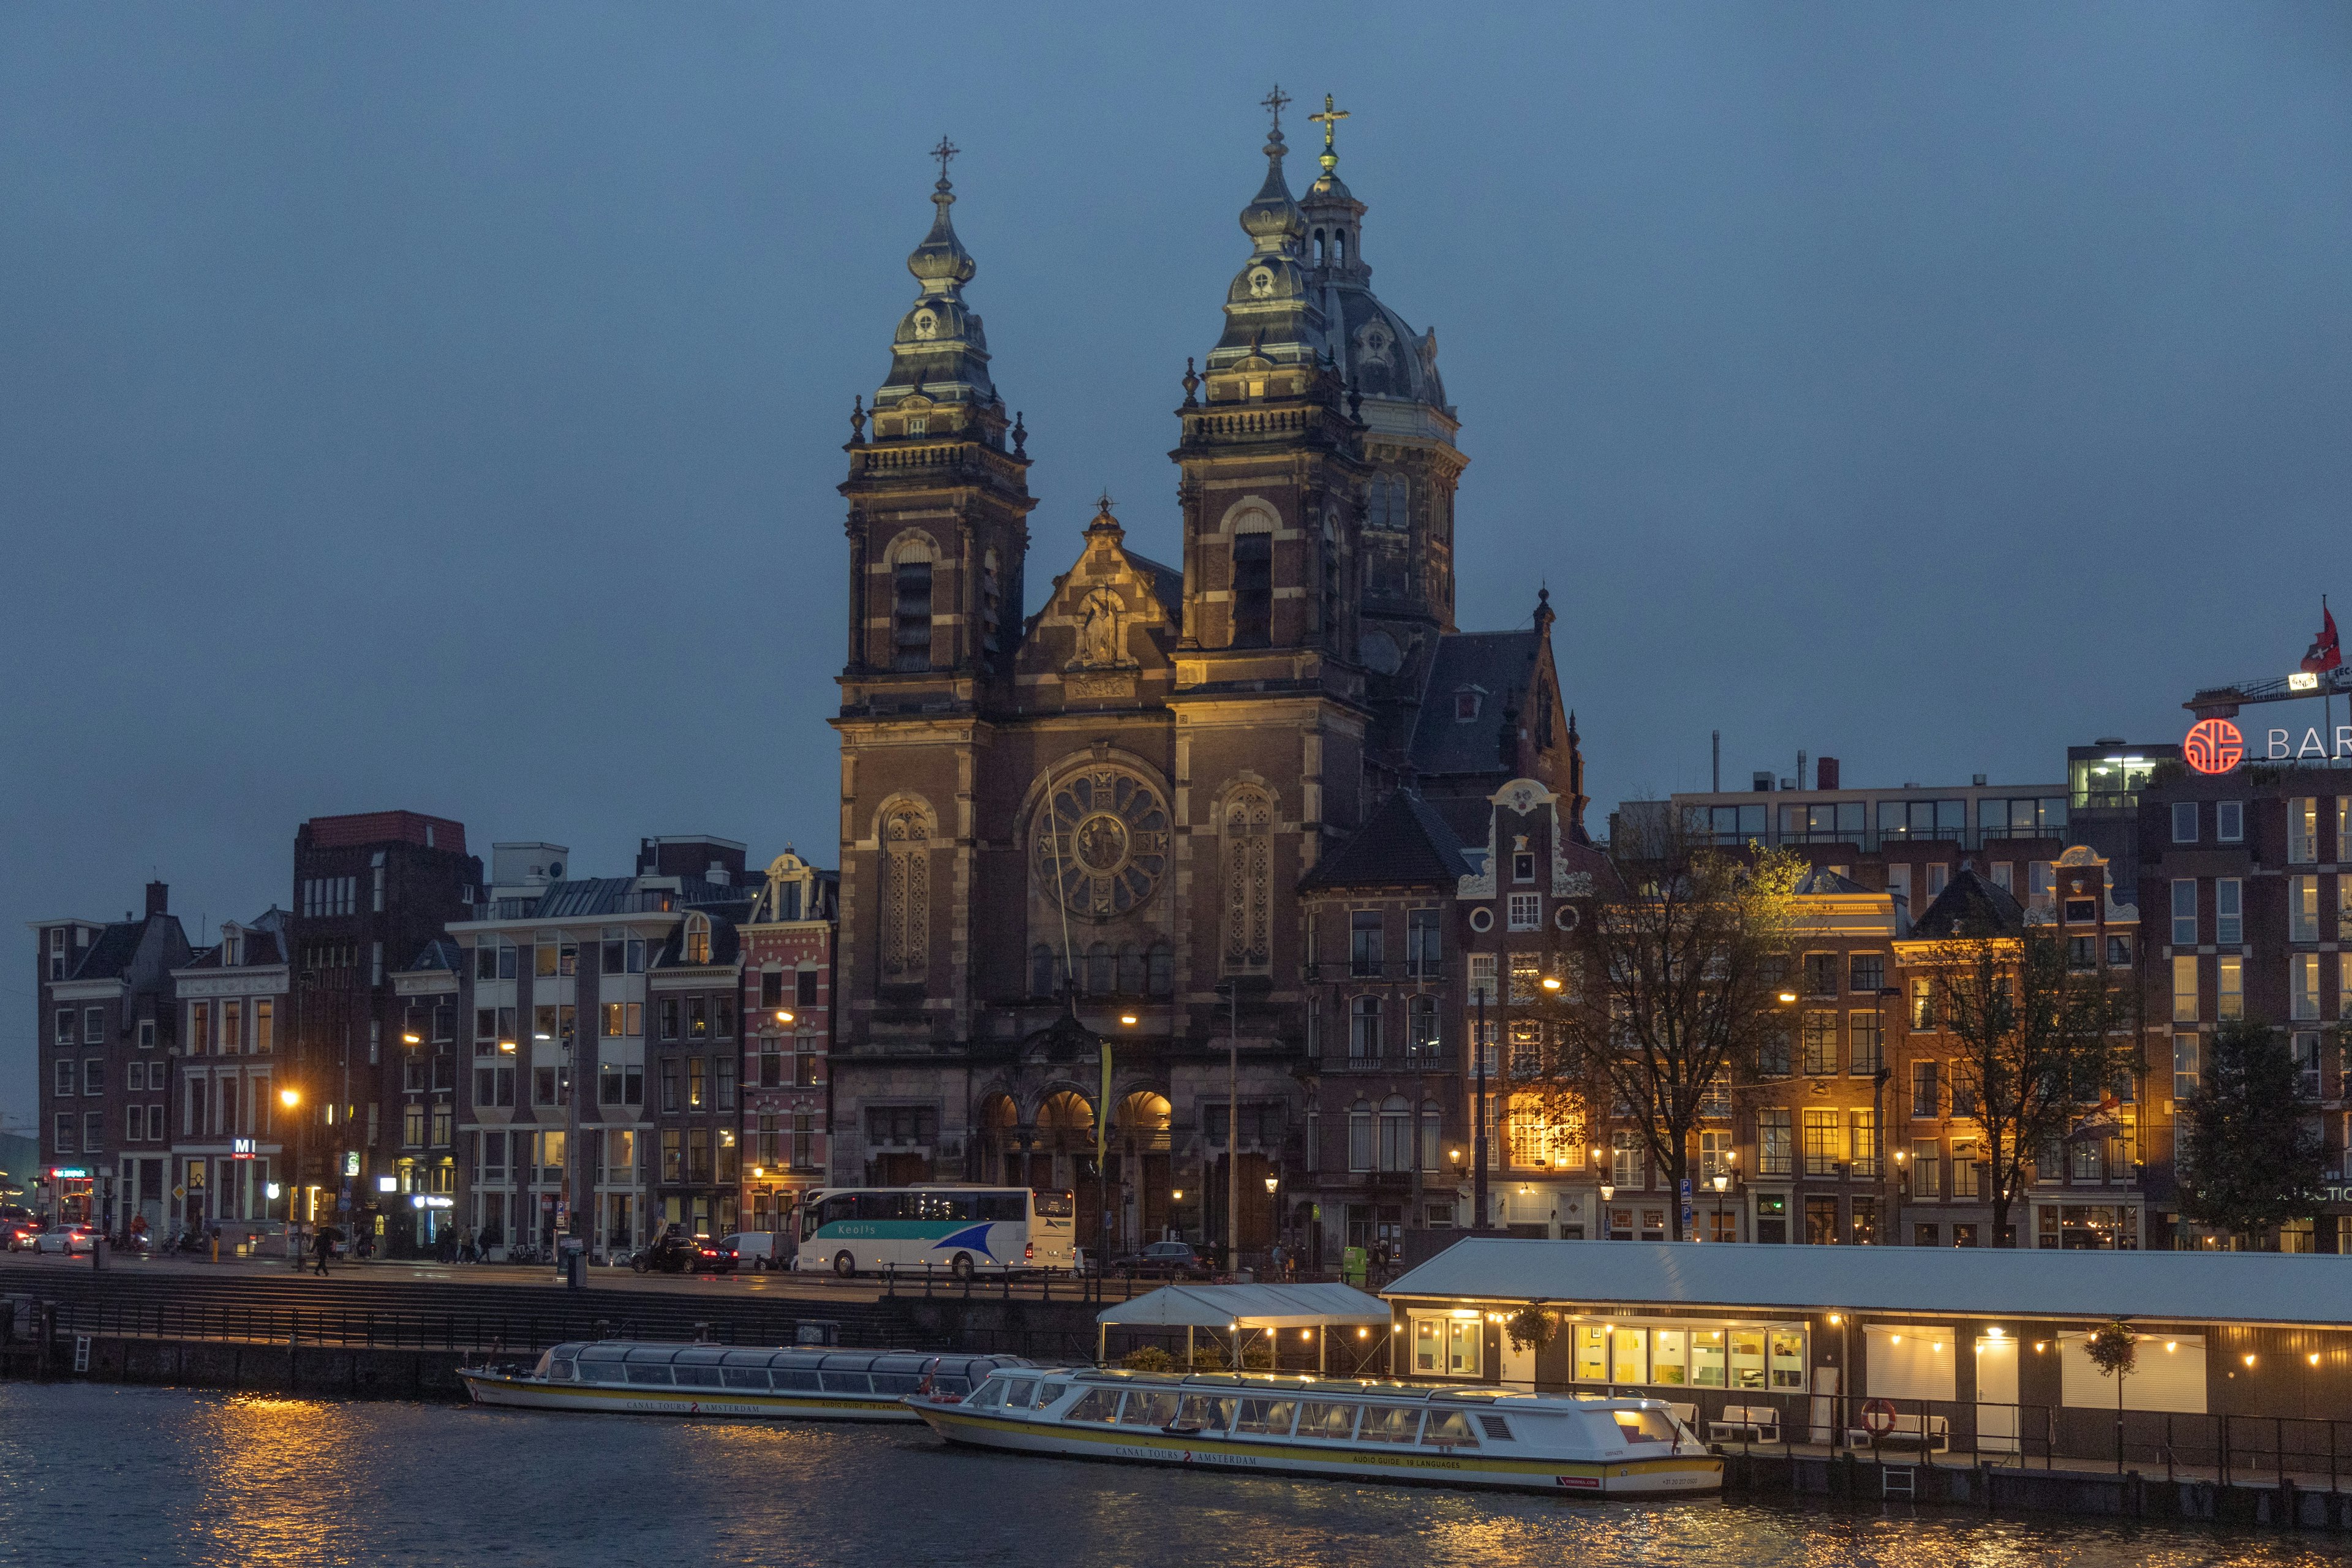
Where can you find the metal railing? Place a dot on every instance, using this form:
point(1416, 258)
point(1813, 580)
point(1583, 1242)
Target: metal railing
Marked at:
point(2313, 1452)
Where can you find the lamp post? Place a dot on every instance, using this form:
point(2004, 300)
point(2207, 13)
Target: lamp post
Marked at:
point(1608, 1191)
point(1478, 1141)
point(1232, 988)
point(1720, 1181)
point(291, 1098)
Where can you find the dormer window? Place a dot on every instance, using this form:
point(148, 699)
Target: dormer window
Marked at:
point(916, 424)
point(1465, 706)
point(1523, 867)
point(697, 939)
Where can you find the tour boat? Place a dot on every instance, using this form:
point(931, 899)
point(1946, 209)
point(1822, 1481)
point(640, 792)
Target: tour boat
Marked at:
point(1442, 1434)
point(642, 1379)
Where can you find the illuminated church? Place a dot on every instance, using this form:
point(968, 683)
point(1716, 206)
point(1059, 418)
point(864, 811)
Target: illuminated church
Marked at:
point(1106, 820)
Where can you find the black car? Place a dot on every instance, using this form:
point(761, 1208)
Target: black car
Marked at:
point(675, 1253)
point(1173, 1259)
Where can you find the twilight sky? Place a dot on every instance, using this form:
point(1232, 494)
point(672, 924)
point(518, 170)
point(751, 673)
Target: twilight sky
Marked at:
point(440, 406)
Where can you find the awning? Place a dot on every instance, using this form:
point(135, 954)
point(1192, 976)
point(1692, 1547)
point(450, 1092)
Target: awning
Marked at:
point(1221, 1306)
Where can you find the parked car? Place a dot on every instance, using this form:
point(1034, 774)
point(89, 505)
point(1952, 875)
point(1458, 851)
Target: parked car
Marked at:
point(66, 1238)
point(1171, 1259)
point(679, 1253)
point(756, 1249)
point(17, 1235)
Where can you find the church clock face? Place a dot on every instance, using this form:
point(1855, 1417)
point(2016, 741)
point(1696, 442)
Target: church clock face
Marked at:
point(1101, 843)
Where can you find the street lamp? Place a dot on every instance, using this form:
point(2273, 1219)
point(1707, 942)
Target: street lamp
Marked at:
point(1608, 1191)
point(289, 1098)
point(1720, 1181)
point(783, 1015)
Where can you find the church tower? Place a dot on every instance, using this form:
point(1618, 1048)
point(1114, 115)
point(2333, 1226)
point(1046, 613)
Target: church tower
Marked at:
point(1272, 466)
point(1391, 371)
point(937, 503)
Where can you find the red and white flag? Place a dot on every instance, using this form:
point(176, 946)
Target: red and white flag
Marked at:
point(2325, 653)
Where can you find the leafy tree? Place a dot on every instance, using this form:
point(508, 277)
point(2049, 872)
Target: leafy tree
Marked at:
point(2249, 1159)
point(2036, 1040)
point(1672, 993)
point(2114, 1348)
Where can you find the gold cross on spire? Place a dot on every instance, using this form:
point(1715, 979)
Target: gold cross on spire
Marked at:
point(945, 152)
point(1274, 101)
point(1330, 119)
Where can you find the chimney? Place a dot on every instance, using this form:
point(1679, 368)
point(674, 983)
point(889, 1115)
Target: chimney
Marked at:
point(159, 897)
point(1826, 772)
point(1760, 780)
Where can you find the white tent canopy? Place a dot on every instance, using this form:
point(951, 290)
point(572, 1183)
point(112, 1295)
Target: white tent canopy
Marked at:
point(1226, 1306)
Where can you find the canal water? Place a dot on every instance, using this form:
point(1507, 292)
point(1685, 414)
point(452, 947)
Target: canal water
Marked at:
point(108, 1475)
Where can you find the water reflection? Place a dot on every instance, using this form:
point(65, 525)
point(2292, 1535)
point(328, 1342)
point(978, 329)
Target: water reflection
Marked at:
point(93, 1474)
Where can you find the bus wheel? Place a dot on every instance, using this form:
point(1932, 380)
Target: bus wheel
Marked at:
point(844, 1265)
point(961, 1267)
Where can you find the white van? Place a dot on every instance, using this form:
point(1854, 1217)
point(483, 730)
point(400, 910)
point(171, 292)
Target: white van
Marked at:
point(755, 1249)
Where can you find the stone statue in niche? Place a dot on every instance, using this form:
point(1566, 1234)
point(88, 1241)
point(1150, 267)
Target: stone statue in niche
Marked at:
point(1098, 641)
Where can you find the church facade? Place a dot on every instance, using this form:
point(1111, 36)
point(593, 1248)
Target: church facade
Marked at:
point(1100, 825)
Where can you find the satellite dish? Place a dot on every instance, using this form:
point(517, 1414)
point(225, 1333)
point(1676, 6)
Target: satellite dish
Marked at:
point(555, 869)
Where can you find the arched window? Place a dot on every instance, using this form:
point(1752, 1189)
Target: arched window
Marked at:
point(1253, 589)
point(1396, 1134)
point(1375, 504)
point(1161, 980)
point(906, 893)
point(1432, 1125)
point(989, 590)
point(1100, 977)
point(1338, 248)
point(912, 583)
point(1041, 971)
point(1420, 1026)
point(1331, 583)
point(1130, 969)
point(1248, 820)
point(1318, 247)
point(1360, 1146)
point(1364, 1027)
point(697, 939)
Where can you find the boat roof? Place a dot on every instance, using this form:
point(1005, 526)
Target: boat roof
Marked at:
point(1305, 1385)
point(1973, 1282)
point(817, 1357)
point(1228, 1307)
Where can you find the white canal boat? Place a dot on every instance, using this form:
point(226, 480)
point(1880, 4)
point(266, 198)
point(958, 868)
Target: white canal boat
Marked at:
point(1440, 1434)
point(640, 1379)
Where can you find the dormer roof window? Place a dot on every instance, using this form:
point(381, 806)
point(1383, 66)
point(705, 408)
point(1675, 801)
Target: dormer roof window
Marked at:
point(1466, 702)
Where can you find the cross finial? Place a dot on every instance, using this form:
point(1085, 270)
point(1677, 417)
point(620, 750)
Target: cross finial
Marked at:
point(1274, 101)
point(945, 153)
point(1330, 119)
point(1103, 505)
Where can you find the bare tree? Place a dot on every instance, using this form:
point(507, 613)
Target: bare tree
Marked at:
point(1671, 993)
point(2036, 1038)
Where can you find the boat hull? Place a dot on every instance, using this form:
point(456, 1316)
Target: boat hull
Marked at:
point(1683, 1476)
point(627, 1399)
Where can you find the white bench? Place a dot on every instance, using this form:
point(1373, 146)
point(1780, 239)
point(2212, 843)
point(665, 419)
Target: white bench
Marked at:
point(1746, 1422)
point(1904, 1433)
point(1685, 1414)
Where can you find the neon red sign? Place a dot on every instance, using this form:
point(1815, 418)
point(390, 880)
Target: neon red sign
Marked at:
point(2213, 746)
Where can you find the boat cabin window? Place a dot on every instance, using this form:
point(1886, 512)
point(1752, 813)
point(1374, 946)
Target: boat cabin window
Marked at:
point(1096, 1405)
point(1390, 1424)
point(1330, 1420)
point(641, 1372)
point(991, 1394)
point(562, 1369)
point(797, 1379)
point(747, 1376)
point(897, 1383)
point(1018, 1391)
point(696, 1376)
point(1206, 1413)
point(1148, 1409)
point(1644, 1426)
point(1449, 1429)
point(846, 1382)
point(1268, 1418)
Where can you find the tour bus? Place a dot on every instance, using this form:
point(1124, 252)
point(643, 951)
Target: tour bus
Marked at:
point(955, 1230)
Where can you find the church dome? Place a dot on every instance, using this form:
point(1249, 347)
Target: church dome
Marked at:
point(940, 264)
point(1273, 220)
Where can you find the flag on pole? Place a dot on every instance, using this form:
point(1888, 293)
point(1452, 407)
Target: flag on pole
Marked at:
point(1102, 1116)
point(2325, 652)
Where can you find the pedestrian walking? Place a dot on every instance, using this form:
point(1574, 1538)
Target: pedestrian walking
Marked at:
point(322, 1246)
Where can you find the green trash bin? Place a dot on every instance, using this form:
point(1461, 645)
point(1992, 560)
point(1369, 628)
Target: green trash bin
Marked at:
point(1352, 1266)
